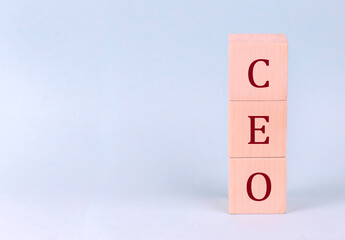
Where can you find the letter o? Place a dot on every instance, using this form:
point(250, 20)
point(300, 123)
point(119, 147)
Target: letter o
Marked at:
point(268, 186)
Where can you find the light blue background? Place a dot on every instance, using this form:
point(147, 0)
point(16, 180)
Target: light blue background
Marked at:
point(113, 119)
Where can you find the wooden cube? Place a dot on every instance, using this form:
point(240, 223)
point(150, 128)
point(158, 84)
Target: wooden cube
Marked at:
point(257, 128)
point(257, 185)
point(258, 66)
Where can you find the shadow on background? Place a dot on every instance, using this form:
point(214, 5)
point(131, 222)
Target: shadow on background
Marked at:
point(216, 199)
point(315, 197)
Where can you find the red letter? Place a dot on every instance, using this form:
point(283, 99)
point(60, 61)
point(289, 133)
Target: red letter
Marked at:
point(253, 129)
point(268, 186)
point(250, 73)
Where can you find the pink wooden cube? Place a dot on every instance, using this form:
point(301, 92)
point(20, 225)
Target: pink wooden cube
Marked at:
point(257, 128)
point(258, 67)
point(257, 185)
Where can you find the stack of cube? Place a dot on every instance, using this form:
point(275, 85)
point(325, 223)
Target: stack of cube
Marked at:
point(258, 65)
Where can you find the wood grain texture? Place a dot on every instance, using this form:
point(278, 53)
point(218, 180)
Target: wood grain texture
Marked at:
point(240, 170)
point(257, 38)
point(240, 128)
point(246, 48)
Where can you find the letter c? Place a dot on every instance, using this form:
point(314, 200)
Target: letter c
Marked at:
point(250, 73)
